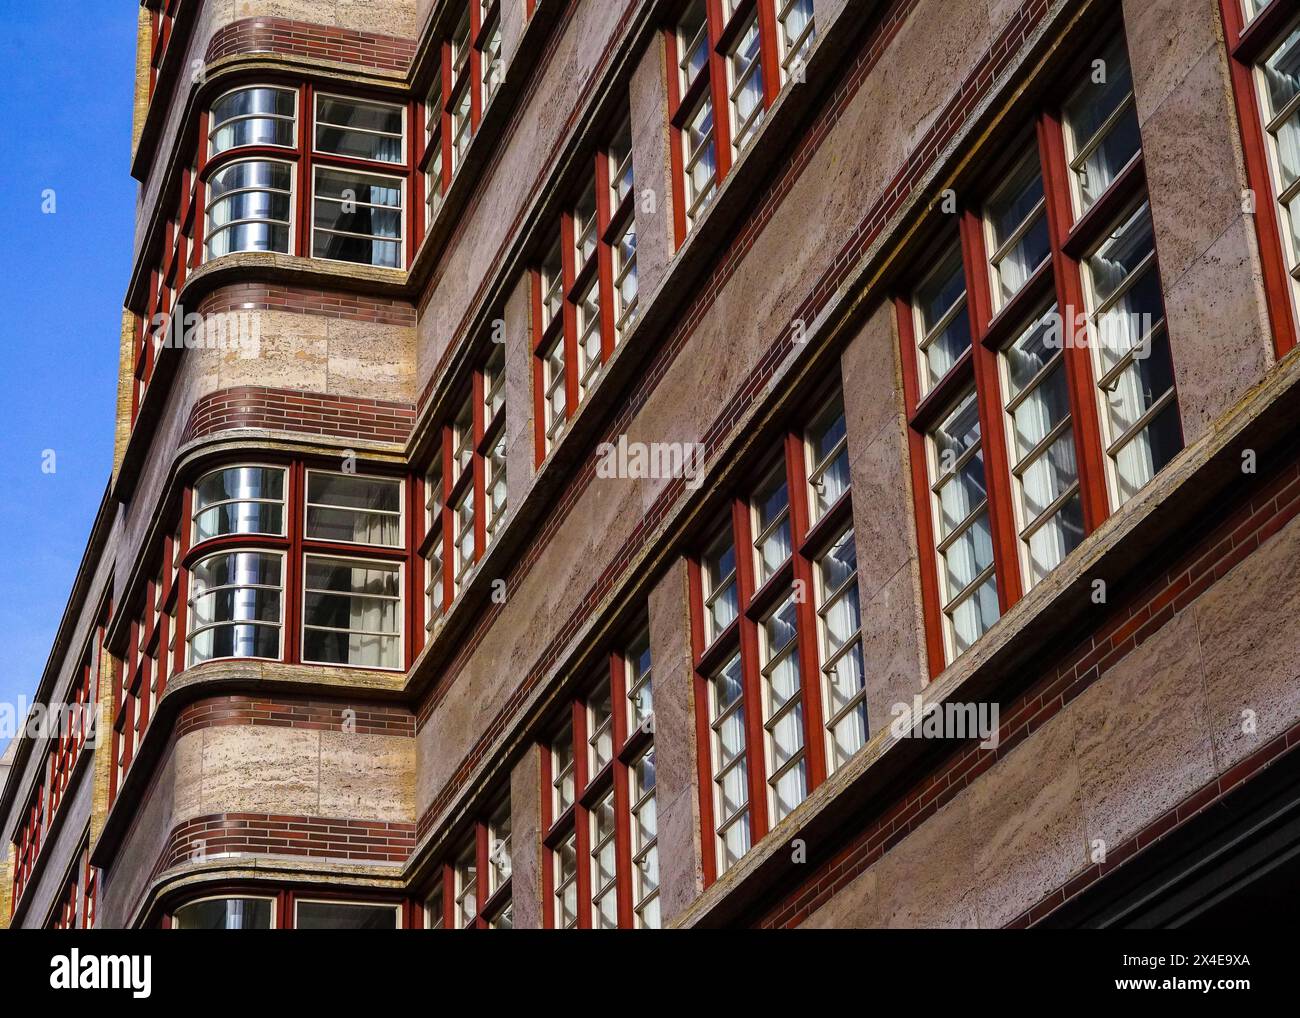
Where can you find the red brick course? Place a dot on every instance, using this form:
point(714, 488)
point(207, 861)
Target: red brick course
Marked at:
point(274, 834)
point(979, 82)
point(306, 300)
point(1129, 625)
point(316, 42)
point(312, 413)
point(319, 715)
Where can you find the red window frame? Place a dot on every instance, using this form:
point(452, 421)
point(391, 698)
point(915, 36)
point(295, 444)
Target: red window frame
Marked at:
point(162, 17)
point(794, 580)
point(455, 483)
point(76, 910)
point(1060, 278)
point(67, 744)
point(1247, 44)
point(596, 269)
point(628, 743)
point(479, 841)
point(722, 32)
point(285, 901)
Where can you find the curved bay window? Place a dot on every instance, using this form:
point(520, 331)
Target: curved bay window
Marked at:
point(328, 589)
point(254, 116)
point(250, 208)
point(776, 638)
point(1037, 371)
point(236, 606)
point(350, 157)
point(226, 914)
point(239, 500)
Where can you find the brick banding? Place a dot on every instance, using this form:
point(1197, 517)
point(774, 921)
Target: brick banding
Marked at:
point(315, 42)
point(352, 307)
point(277, 834)
point(1133, 622)
point(318, 715)
point(292, 410)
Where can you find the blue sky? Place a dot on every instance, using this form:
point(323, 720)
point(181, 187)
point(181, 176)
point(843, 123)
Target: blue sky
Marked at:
point(65, 124)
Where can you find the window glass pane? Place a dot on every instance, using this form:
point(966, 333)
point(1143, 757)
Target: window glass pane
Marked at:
point(352, 613)
point(968, 590)
point(771, 506)
point(357, 218)
point(1018, 229)
point(783, 710)
point(944, 333)
point(693, 42)
point(1135, 380)
point(354, 510)
point(253, 116)
point(466, 883)
point(235, 607)
point(562, 780)
point(239, 500)
point(604, 870)
point(701, 159)
point(797, 32)
point(601, 726)
point(1103, 126)
point(566, 883)
point(359, 130)
point(224, 914)
point(840, 624)
point(746, 70)
point(339, 915)
point(249, 208)
point(828, 471)
point(640, 693)
point(499, 861)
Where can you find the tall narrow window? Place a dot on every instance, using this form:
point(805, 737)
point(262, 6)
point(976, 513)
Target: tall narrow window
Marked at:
point(727, 63)
point(962, 532)
point(352, 613)
point(1263, 40)
point(1102, 128)
point(239, 500)
point(1140, 427)
point(595, 875)
point(777, 638)
point(358, 217)
point(1041, 436)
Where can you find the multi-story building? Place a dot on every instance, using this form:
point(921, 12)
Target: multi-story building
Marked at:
point(564, 444)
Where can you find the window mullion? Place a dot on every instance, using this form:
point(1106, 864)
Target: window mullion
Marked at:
point(569, 313)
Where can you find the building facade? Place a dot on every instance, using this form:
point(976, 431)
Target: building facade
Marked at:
point(648, 463)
